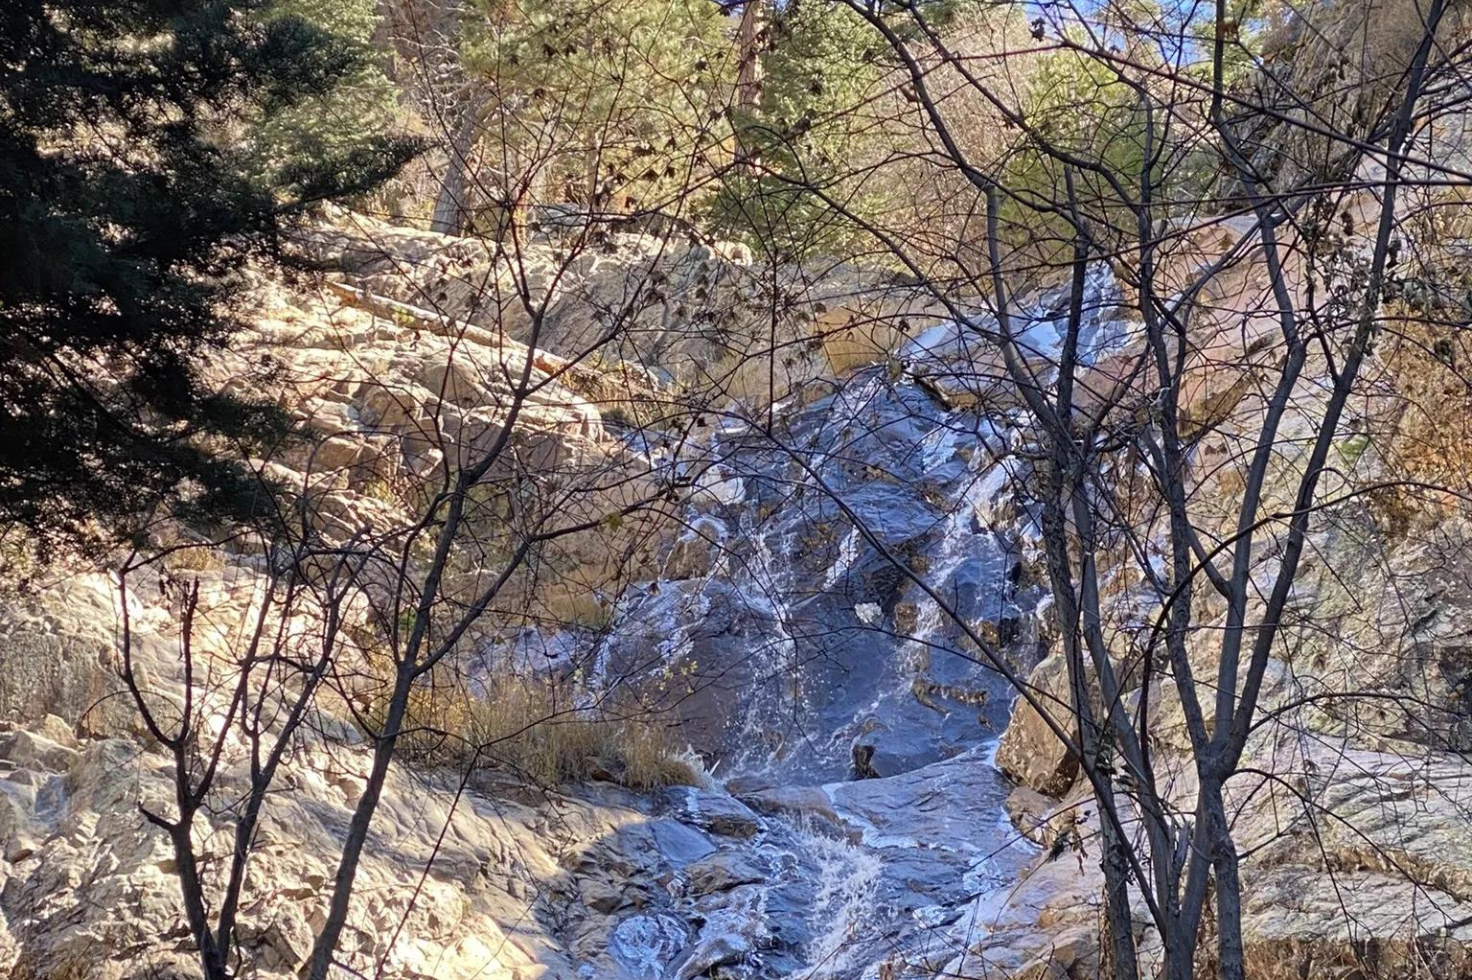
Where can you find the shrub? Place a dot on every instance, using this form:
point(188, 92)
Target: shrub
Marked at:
point(549, 729)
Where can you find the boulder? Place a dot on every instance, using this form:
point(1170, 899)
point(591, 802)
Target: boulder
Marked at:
point(600, 894)
point(717, 813)
point(723, 871)
point(1029, 751)
point(730, 933)
point(799, 802)
point(1029, 811)
point(25, 748)
point(57, 730)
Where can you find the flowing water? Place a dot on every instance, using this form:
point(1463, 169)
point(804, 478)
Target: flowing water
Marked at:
point(809, 660)
point(848, 723)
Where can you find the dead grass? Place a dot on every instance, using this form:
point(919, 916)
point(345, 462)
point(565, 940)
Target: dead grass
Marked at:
point(547, 730)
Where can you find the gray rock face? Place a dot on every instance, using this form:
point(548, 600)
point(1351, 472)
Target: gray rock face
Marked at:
point(716, 813)
point(730, 934)
point(723, 871)
point(58, 655)
point(645, 945)
point(32, 750)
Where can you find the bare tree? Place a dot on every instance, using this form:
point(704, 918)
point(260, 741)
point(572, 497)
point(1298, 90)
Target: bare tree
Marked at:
point(1116, 431)
point(356, 617)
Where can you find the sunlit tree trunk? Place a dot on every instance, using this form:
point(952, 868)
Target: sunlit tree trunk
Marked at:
point(452, 209)
point(750, 37)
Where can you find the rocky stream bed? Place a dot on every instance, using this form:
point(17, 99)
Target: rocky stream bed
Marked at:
point(851, 821)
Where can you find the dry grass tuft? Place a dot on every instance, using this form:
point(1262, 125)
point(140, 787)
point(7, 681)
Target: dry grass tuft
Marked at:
point(549, 731)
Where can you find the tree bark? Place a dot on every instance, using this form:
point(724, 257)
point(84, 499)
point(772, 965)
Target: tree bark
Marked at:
point(452, 211)
point(1114, 861)
point(323, 951)
point(749, 37)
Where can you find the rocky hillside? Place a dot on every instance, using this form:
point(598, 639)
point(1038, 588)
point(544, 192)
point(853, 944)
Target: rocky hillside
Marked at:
point(475, 872)
point(770, 636)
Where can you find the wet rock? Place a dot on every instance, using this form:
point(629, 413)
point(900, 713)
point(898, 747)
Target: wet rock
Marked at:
point(678, 844)
point(646, 943)
point(891, 511)
point(717, 813)
point(722, 872)
point(925, 826)
point(728, 935)
point(798, 802)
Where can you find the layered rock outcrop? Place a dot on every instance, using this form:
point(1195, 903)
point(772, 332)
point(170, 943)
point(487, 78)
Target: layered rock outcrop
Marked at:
point(1351, 823)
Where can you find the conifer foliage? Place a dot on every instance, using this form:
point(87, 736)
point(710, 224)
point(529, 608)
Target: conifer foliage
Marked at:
point(130, 198)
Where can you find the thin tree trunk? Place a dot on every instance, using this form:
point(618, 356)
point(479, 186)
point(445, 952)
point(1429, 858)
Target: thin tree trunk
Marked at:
point(1230, 950)
point(352, 850)
point(1113, 862)
point(210, 956)
point(452, 205)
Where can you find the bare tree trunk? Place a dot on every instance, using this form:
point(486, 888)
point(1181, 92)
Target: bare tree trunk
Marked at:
point(749, 38)
point(1114, 861)
point(1230, 951)
point(352, 850)
point(452, 210)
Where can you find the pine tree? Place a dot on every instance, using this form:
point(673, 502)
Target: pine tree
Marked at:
point(607, 105)
point(818, 78)
point(131, 194)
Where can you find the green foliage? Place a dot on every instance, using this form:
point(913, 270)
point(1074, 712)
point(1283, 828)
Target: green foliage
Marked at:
point(1077, 106)
point(1077, 103)
point(341, 123)
point(815, 120)
point(608, 104)
point(1251, 28)
point(129, 201)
